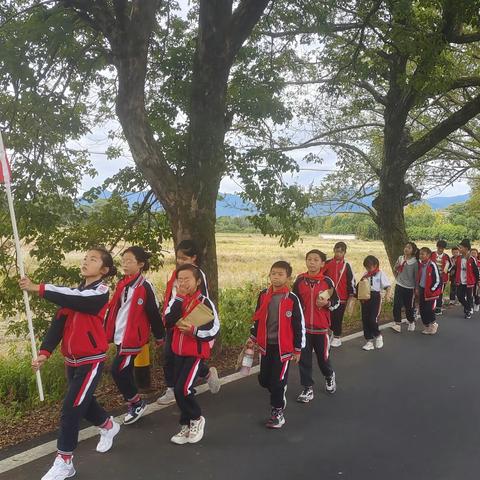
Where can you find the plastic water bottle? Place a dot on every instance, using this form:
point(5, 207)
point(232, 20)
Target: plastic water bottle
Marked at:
point(247, 361)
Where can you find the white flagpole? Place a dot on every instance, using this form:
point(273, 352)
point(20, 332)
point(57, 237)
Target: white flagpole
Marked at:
point(21, 267)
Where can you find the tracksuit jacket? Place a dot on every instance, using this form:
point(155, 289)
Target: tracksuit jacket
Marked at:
point(433, 280)
point(472, 271)
point(342, 275)
point(78, 324)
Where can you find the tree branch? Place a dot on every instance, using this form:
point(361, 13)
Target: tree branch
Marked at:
point(456, 120)
point(321, 29)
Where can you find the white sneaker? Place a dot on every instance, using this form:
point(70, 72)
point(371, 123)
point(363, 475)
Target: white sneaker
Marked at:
point(434, 328)
point(476, 308)
point(107, 436)
point(427, 330)
point(60, 470)
point(336, 342)
point(197, 427)
point(213, 381)
point(411, 327)
point(396, 327)
point(369, 345)
point(181, 438)
point(379, 342)
point(167, 398)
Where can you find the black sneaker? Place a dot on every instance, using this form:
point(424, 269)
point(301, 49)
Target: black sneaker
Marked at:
point(331, 384)
point(135, 411)
point(277, 420)
point(438, 311)
point(306, 395)
point(468, 315)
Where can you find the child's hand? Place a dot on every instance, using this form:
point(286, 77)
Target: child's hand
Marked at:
point(159, 342)
point(27, 285)
point(38, 363)
point(296, 357)
point(186, 328)
point(322, 302)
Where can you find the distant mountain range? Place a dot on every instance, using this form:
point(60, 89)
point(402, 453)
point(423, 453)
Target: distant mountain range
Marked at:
point(231, 205)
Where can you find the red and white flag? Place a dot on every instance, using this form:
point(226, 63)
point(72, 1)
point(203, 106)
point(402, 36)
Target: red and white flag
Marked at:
point(9, 171)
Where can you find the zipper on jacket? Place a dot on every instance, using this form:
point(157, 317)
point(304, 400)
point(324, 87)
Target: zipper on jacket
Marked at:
point(311, 306)
point(69, 346)
point(180, 344)
point(92, 340)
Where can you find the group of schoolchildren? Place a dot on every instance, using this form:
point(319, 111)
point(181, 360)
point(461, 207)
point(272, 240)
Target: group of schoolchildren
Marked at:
point(289, 324)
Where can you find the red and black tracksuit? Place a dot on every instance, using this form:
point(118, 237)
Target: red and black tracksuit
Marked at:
point(279, 332)
point(444, 264)
point(429, 290)
point(317, 323)
point(168, 355)
point(341, 273)
point(78, 324)
point(190, 350)
point(466, 278)
point(133, 313)
point(452, 274)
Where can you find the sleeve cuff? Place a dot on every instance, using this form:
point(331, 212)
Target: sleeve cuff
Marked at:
point(253, 339)
point(298, 350)
point(45, 352)
point(41, 291)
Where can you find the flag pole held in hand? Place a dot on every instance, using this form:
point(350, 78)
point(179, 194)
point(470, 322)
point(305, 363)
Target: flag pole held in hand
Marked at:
point(5, 178)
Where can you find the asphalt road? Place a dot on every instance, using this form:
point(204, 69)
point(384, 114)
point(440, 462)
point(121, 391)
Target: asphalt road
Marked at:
point(409, 411)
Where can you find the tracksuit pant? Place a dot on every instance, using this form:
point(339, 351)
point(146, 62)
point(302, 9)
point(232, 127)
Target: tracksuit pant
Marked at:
point(427, 308)
point(370, 314)
point(123, 369)
point(274, 376)
point(453, 290)
point(404, 297)
point(186, 372)
point(169, 361)
point(465, 297)
point(80, 402)
point(336, 318)
point(440, 300)
point(320, 344)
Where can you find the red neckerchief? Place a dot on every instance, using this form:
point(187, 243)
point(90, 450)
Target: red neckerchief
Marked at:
point(262, 312)
point(319, 276)
point(115, 301)
point(190, 302)
point(402, 265)
point(169, 290)
point(371, 274)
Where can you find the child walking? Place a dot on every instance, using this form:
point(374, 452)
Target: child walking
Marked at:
point(476, 295)
point(453, 285)
point(318, 298)
point(466, 277)
point(191, 346)
point(443, 262)
point(340, 271)
point(279, 332)
point(371, 308)
point(78, 324)
point(134, 310)
point(186, 252)
point(429, 290)
point(406, 272)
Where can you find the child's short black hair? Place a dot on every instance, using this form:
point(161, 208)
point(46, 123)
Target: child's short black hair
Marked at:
point(474, 250)
point(442, 244)
point(192, 268)
point(141, 256)
point(466, 243)
point(371, 261)
point(455, 247)
point(284, 266)
point(340, 245)
point(190, 249)
point(317, 252)
point(427, 250)
point(107, 260)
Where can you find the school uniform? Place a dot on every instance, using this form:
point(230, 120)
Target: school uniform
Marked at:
point(279, 332)
point(317, 323)
point(429, 290)
point(190, 350)
point(78, 324)
point(168, 355)
point(406, 271)
point(340, 271)
point(466, 278)
point(452, 275)
point(444, 264)
point(371, 308)
point(133, 314)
